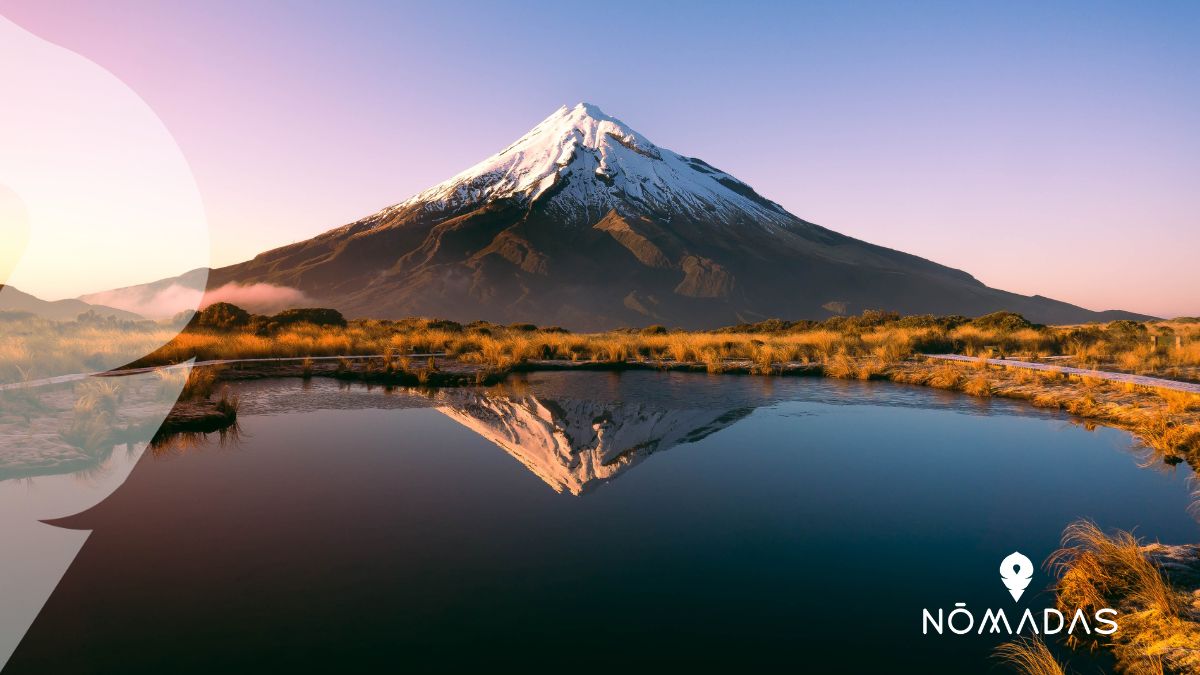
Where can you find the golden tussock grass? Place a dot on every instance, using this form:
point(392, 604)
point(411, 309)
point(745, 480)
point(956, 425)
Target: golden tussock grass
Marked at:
point(198, 382)
point(979, 385)
point(1029, 656)
point(501, 347)
point(33, 347)
point(1158, 633)
point(228, 403)
point(1179, 401)
point(946, 376)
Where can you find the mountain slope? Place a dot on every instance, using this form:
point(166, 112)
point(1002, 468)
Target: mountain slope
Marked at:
point(585, 223)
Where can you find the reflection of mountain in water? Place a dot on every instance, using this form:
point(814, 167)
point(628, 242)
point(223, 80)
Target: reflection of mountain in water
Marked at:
point(577, 429)
point(574, 444)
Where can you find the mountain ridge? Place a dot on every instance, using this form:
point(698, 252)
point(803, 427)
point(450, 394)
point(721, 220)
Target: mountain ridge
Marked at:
point(18, 302)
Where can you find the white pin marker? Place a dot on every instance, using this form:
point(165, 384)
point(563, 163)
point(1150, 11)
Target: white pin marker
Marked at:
point(1016, 571)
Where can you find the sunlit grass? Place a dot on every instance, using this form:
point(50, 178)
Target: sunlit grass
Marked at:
point(1029, 656)
point(872, 346)
point(1097, 570)
point(31, 349)
point(34, 348)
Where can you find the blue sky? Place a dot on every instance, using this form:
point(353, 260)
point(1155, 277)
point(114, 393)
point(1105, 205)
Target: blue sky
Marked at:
point(1045, 149)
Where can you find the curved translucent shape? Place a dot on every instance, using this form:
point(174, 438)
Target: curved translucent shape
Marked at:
point(94, 195)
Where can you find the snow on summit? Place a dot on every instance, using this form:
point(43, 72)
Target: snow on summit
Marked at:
point(585, 223)
point(583, 163)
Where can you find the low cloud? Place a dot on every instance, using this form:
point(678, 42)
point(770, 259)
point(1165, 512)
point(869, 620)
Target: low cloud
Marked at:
point(152, 303)
point(165, 302)
point(260, 298)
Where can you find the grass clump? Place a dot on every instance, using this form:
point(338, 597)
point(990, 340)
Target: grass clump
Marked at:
point(1158, 631)
point(1029, 656)
point(228, 404)
point(979, 385)
point(94, 416)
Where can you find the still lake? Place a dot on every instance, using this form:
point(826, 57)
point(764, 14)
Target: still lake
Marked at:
point(587, 521)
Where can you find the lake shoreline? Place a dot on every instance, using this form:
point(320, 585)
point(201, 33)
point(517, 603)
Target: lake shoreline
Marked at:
point(1168, 423)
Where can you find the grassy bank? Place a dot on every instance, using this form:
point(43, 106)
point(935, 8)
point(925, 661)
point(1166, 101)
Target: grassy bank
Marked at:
point(1164, 420)
point(875, 345)
point(34, 347)
point(883, 337)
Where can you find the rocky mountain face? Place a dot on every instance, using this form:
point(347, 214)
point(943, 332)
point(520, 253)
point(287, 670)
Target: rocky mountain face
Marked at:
point(585, 223)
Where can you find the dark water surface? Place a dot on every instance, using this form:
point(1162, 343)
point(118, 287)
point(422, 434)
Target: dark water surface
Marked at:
point(587, 522)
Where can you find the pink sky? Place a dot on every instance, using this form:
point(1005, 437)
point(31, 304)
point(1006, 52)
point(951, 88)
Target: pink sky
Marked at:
point(1043, 150)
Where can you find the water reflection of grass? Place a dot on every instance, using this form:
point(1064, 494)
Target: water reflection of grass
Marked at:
point(166, 443)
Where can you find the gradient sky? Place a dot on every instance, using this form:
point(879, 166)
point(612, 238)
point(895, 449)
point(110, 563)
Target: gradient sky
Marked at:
point(1044, 149)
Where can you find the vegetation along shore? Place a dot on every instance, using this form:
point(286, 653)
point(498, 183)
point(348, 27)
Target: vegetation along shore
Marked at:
point(871, 346)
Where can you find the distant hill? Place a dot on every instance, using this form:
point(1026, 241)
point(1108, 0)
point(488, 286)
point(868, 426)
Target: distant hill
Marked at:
point(13, 300)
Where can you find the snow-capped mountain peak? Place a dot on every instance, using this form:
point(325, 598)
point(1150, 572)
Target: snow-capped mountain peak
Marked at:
point(585, 223)
point(582, 163)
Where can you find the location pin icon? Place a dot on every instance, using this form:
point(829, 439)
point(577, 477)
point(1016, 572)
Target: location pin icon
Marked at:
point(1016, 571)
